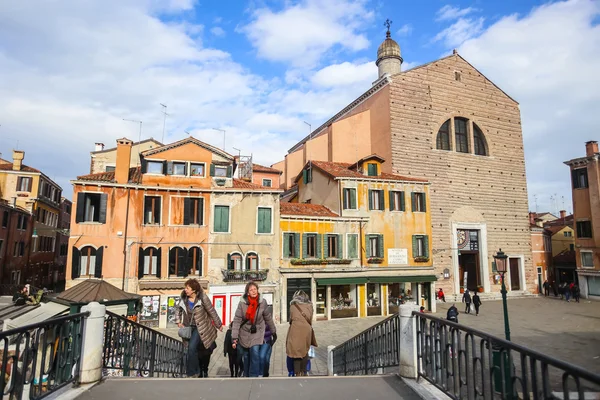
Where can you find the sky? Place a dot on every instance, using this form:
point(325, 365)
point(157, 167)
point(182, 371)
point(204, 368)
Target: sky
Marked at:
point(262, 70)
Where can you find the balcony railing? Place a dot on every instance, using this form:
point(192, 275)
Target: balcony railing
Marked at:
point(244, 276)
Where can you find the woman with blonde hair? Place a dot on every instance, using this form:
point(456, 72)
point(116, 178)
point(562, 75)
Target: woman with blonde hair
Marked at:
point(300, 335)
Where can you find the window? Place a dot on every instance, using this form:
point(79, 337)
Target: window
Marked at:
point(311, 245)
point(252, 262)
point(571, 247)
point(264, 220)
point(352, 246)
point(110, 168)
point(5, 219)
point(372, 169)
point(177, 262)
point(24, 184)
point(349, 199)
point(420, 246)
point(291, 245)
point(221, 219)
point(396, 201)
point(580, 178)
point(587, 259)
point(234, 262)
point(155, 167)
point(267, 182)
point(196, 169)
point(87, 262)
point(584, 229)
point(376, 200)
point(220, 171)
point(177, 168)
point(332, 246)
point(307, 175)
point(91, 207)
point(568, 233)
point(149, 262)
point(479, 141)
point(1, 242)
point(22, 222)
point(193, 211)
point(152, 210)
point(374, 246)
point(460, 132)
point(418, 202)
point(19, 250)
point(443, 137)
point(194, 260)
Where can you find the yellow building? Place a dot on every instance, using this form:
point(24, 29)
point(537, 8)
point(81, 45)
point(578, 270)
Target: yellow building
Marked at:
point(357, 240)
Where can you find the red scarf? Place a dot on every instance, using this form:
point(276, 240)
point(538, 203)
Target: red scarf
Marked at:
point(251, 311)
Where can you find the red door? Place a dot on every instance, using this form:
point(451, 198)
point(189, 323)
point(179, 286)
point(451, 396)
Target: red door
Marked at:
point(219, 303)
point(234, 300)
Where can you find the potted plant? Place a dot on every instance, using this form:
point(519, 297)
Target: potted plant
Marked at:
point(462, 289)
point(375, 260)
point(421, 259)
point(480, 288)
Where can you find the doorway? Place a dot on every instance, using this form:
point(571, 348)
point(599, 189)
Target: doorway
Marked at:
point(294, 284)
point(469, 263)
point(515, 276)
point(321, 303)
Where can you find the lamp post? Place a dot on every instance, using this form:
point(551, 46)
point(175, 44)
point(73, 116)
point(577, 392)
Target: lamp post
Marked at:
point(501, 265)
point(502, 357)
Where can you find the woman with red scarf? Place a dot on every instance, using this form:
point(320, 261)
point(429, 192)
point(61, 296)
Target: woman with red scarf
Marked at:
point(248, 333)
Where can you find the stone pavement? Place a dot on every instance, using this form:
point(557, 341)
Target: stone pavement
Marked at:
point(567, 331)
point(363, 388)
point(327, 333)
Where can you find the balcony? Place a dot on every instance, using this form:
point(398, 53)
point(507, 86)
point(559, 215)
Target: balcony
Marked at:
point(244, 276)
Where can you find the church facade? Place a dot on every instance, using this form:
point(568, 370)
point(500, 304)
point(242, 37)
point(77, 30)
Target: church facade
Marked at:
point(448, 123)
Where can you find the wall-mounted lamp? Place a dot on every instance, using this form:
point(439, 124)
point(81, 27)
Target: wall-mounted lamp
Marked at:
point(446, 273)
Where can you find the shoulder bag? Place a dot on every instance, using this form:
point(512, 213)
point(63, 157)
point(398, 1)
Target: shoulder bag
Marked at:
point(313, 339)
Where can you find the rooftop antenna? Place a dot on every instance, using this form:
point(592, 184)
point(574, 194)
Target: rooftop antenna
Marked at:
point(164, 111)
point(239, 152)
point(189, 134)
point(138, 122)
point(221, 130)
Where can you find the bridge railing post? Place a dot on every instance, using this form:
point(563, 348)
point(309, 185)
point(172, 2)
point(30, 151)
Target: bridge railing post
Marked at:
point(93, 343)
point(330, 360)
point(408, 341)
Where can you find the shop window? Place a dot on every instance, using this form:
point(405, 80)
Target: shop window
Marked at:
point(152, 206)
point(396, 201)
point(234, 262)
point(193, 211)
point(419, 203)
point(267, 182)
point(376, 200)
point(91, 207)
point(373, 299)
point(584, 229)
point(580, 178)
point(291, 245)
point(87, 262)
point(349, 199)
point(177, 262)
point(343, 301)
point(460, 133)
point(443, 136)
point(587, 259)
point(398, 293)
point(149, 262)
point(252, 262)
point(194, 261)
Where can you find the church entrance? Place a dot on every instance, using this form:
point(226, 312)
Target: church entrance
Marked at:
point(469, 263)
point(469, 259)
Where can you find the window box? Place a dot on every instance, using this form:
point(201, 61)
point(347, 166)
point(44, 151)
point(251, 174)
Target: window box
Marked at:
point(375, 260)
point(421, 259)
point(244, 276)
point(319, 261)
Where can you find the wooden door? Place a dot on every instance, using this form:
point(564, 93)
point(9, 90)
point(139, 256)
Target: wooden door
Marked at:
point(515, 276)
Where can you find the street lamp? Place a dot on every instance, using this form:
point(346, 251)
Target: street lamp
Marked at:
point(501, 266)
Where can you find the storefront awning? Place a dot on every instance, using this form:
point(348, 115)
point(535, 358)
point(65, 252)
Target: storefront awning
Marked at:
point(375, 279)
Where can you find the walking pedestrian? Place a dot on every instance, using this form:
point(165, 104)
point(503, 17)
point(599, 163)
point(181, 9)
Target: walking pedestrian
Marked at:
point(452, 314)
point(196, 311)
point(476, 303)
point(567, 291)
point(546, 286)
point(300, 334)
point(248, 333)
point(441, 295)
point(267, 348)
point(575, 292)
point(467, 300)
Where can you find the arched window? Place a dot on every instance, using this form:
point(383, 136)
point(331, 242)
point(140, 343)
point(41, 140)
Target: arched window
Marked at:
point(177, 262)
point(252, 262)
point(443, 137)
point(460, 133)
point(87, 262)
point(149, 262)
point(479, 141)
point(194, 260)
point(234, 262)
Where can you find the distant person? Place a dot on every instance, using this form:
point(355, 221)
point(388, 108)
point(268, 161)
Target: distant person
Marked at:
point(452, 314)
point(422, 309)
point(546, 286)
point(476, 303)
point(567, 291)
point(441, 295)
point(575, 292)
point(267, 348)
point(554, 289)
point(236, 366)
point(467, 300)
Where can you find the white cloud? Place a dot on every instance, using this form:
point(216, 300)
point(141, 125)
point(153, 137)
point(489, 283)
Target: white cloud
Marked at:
point(551, 72)
point(301, 34)
point(449, 12)
point(460, 31)
point(405, 30)
point(346, 74)
point(218, 31)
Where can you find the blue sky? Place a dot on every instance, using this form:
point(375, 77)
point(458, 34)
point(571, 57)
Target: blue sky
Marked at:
point(72, 70)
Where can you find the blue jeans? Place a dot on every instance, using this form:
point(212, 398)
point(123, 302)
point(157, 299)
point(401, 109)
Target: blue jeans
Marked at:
point(265, 358)
point(193, 364)
point(251, 358)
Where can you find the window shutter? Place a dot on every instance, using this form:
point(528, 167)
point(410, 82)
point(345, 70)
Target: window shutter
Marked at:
point(304, 245)
point(157, 209)
point(201, 211)
point(573, 178)
point(381, 200)
point(415, 246)
point(261, 220)
point(29, 182)
point(19, 179)
point(268, 220)
point(212, 169)
point(325, 246)
point(340, 247)
point(402, 205)
point(353, 199)
point(189, 261)
point(172, 260)
point(147, 208)
point(391, 198)
point(181, 262)
point(103, 204)
point(426, 246)
point(229, 263)
point(318, 244)
point(80, 207)
point(225, 218)
point(352, 253)
point(169, 168)
point(304, 176)
point(370, 200)
point(75, 263)
point(424, 197)
point(144, 165)
point(217, 220)
point(165, 168)
point(346, 192)
point(98, 270)
point(158, 262)
point(372, 170)
point(380, 246)
point(187, 209)
point(412, 201)
point(297, 245)
point(141, 263)
point(229, 171)
point(286, 244)
point(368, 245)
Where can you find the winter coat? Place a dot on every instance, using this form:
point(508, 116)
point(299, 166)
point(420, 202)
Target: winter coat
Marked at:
point(300, 332)
point(476, 301)
point(205, 318)
point(452, 314)
point(466, 298)
point(242, 332)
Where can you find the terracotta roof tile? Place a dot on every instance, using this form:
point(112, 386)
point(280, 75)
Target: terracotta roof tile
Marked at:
point(24, 168)
point(311, 210)
point(342, 170)
point(241, 184)
point(134, 176)
point(262, 168)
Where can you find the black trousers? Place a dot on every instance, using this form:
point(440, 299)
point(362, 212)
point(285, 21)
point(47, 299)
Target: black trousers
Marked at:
point(236, 365)
point(477, 309)
point(467, 308)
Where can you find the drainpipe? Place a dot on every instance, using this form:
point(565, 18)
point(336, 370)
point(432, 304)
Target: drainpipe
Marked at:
point(125, 238)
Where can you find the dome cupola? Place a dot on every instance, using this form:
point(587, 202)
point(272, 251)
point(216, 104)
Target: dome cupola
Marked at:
point(389, 58)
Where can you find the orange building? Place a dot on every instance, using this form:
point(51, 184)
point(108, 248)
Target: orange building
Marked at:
point(541, 249)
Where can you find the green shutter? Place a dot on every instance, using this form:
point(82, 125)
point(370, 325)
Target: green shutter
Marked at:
point(353, 199)
point(229, 263)
point(381, 200)
point(372, 170)
point(264, 220)
point(367, 245)
point(229, 171)
point(325, 246)
point(391, 198)
point(304, 245)
point(225, 219)
point(380, 247)
point(286, 244)
point(424, 203)
point(340, 247)
point(297, 245)
point(402, 205)
point(352, 244)
point(304, 176)
point(212, 169)
point(319, 247)
point(426, 246)
point(261, 221)
point(345, 201)
point(370, 200)
point(217, 227)
point(412, 201)
point(415, 246)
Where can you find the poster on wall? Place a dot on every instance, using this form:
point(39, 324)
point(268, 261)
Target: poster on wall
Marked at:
point(397, 256)
point(172, 302)
point(150, 310)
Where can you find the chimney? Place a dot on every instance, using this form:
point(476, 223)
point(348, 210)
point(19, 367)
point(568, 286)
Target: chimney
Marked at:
point(123, 160)
point(99, 146)
point(18, 156)
point(591, 148)
point(563, 214)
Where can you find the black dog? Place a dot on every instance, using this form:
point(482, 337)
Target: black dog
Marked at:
point(236, 366)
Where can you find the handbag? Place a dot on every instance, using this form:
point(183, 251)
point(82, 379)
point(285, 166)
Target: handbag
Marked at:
point(313, 338)
point(185, 332)
point(311, 352)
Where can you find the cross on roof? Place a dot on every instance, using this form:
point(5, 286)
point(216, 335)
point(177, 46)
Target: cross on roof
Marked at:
point(387, 23)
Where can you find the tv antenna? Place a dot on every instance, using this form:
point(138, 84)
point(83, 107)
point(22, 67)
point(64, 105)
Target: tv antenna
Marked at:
point(164, 111)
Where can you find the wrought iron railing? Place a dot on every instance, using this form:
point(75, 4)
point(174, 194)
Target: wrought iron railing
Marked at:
point(370, 351)
point(244, 276)
point(133, 348)
point(469, 364)
point(41, 358)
